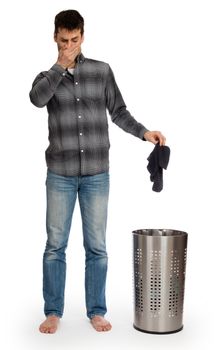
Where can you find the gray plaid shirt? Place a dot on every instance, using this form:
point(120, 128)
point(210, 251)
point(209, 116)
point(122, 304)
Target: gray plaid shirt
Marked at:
point(78, 127)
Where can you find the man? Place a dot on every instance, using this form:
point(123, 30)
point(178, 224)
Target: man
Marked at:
point(77, 91)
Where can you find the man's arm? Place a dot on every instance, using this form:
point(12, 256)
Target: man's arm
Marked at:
point(117, 109)
point(122, 117)
point(45, 84)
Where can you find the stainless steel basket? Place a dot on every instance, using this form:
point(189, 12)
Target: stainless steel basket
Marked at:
point(159, 279)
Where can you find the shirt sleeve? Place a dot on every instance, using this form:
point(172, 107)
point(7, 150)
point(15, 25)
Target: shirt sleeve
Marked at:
point(118, 111)
point(45, 84)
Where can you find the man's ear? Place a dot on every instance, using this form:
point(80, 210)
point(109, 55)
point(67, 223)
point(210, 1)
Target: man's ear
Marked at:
point(82, 39)
point(55, 37)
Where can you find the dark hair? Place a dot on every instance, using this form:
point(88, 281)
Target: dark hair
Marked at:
point(70, 20)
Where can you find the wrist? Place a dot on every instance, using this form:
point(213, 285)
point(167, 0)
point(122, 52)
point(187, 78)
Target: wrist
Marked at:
point(146, 135)
point(61, 64)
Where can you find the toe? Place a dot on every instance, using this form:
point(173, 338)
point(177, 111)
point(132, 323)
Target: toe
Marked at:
point(100, 324)
point(42, 329)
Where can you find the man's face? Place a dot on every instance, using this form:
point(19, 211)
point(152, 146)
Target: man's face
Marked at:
point(67, 39)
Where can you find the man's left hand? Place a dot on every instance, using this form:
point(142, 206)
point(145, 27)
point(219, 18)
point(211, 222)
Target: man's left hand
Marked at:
point(155, 137)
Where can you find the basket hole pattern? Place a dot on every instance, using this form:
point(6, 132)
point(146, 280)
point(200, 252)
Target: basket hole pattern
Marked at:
point(183, 279)
point(138, 280)
point(176, 288)
point(155, 283)
point(175, 292)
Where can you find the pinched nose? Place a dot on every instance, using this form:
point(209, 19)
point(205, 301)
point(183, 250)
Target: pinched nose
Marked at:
point(67, 45)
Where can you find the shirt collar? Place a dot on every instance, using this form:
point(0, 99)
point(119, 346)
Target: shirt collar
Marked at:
point(80, 58)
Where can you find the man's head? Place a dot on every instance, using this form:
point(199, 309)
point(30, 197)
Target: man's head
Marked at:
point(69, 20)
point(69, 29)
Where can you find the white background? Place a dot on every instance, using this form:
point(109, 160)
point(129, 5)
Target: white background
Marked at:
point(166, 56)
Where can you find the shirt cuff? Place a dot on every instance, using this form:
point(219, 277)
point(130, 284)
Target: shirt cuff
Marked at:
point(142, 132)
point(59, 69)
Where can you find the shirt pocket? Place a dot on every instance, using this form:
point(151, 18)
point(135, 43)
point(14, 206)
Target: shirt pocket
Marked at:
point(93, 88)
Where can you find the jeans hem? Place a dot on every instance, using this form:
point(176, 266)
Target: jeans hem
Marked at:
point(95, 314)
point(53, 314)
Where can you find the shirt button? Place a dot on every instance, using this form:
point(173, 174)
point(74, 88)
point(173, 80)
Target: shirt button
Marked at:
point(64, 74)
point(82, 151)
point(77, 99)
point(80, 133)
point(77, 83)
point(80, 116)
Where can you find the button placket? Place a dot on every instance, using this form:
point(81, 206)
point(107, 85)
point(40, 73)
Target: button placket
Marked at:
point(77, 97)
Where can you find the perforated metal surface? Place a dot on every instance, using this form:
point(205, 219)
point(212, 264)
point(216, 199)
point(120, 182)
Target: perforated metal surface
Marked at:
point(159, 277)
point(138, 261)
point(155, 283)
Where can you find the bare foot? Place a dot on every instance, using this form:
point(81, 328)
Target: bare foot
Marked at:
point(100, 324)
point(50, 325)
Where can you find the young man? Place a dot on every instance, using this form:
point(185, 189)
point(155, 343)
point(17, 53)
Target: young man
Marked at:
point(77, 91)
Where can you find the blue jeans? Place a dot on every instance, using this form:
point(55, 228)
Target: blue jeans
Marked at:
point(62, 191)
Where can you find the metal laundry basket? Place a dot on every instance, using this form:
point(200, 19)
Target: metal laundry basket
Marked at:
point(159, 279)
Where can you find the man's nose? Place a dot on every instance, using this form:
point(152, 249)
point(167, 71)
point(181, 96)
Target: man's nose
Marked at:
point(69, 44)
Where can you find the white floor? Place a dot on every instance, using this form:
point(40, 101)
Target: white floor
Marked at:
point(75, 332)
point(22, 316)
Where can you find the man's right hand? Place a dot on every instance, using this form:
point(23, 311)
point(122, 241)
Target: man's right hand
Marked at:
point(66, 58)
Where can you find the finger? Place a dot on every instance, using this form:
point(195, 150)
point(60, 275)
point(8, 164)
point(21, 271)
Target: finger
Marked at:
point(73, 54)
point(74, 49)
point(162, 140)
point(63, 49)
